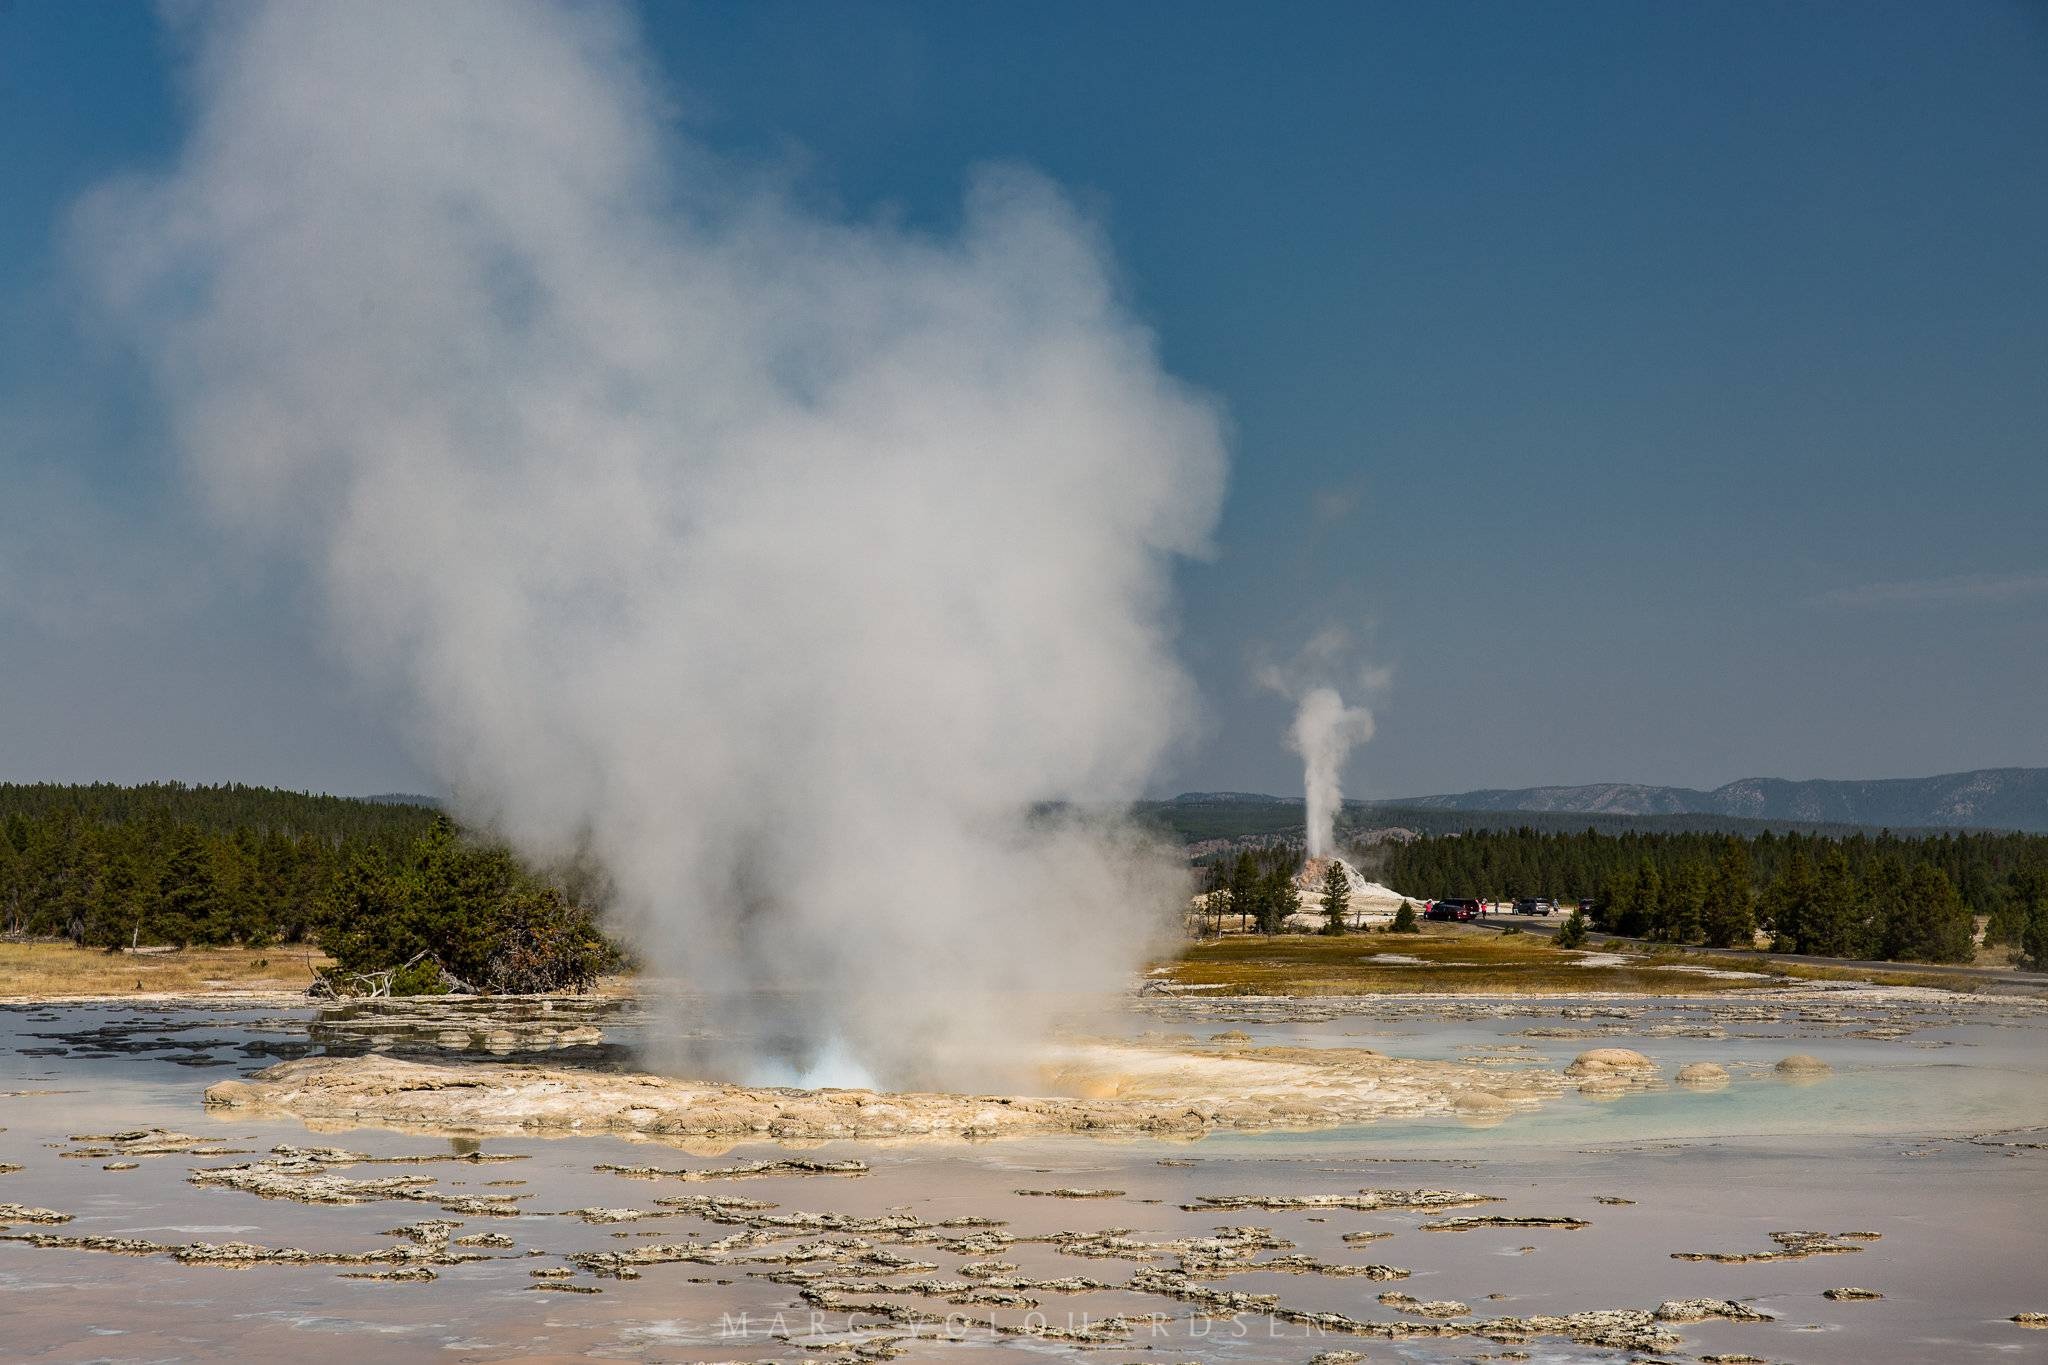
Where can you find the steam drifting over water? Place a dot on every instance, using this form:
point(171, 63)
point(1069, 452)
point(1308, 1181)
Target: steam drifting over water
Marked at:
point(785, 564)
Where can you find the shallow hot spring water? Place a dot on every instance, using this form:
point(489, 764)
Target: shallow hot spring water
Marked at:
point(1931, 1130)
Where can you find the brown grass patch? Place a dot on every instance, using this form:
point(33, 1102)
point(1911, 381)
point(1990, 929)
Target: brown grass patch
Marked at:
point(1457, 959)
point(53, 970)
point(1452, 960)
point(1905, 974)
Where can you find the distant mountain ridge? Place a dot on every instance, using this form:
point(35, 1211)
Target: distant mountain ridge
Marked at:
point(1986, 798)
point(1199, 819)
point(1234, 799)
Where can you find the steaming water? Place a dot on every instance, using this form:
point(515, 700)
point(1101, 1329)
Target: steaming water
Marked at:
point(1886, 1144)
point(832, 1067)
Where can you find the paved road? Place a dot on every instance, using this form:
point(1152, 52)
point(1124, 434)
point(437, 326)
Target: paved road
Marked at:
point(1994, 977)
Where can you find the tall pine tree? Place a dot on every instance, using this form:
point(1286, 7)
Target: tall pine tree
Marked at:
point(1336, 897)
point(1731, 901)
point(1929, 922)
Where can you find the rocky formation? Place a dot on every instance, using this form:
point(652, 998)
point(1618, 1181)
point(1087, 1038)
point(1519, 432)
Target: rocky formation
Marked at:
point(1468, 1224)
point(1365, 1201)
point(443, 1023)
point(1612, 1071)
point(305, 1175)
point(1101, 1088)
point(23, 1213)
point(1608, 1061)
point(1432, 1308)
point(426, 1245)
point(1792, 1246)
point(146, 1142)
point(1223, 1251)
point(1800, 1066)
point(858, 1263)
point(751, 1170)
point(1700, 1310)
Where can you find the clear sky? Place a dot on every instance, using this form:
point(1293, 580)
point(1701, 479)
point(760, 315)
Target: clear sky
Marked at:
point(1657, 392)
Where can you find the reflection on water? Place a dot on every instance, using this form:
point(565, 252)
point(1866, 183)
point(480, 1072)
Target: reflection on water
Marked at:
point(1913, 1137)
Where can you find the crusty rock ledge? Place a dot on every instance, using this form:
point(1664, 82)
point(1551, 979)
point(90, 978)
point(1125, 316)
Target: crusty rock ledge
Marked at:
point(1105, 1088)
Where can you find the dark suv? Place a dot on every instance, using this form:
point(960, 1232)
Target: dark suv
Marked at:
point(1453, 910)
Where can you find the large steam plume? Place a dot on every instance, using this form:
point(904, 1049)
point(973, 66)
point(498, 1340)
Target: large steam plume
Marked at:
point(785, 565)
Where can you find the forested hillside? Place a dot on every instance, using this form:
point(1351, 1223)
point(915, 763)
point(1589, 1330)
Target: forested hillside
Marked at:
point(168, 863)
point(1883, 895)
point(380, 885)
point(387, 821)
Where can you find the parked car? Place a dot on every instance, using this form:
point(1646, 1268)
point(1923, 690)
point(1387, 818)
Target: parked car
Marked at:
point(1535, 905)
point(1586, 906)
point(1456, 909)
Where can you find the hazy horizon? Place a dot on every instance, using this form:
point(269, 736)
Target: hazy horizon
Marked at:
point(1279, 794)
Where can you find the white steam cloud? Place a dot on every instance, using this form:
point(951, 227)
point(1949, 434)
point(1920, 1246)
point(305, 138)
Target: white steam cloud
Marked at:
point(1325, 730)
point(1323, 733)
point(787, 566)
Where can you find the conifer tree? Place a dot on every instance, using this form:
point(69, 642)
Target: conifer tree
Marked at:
point(1245, 888)
point(1644, 907)
point(1617, 894)
point(10, 882)
point(1790, 903)
point(2027, 895)
point(188, 893)
point(2006, 921)
point(1277, 899)
point(1928, 921)
point(120, 905)
point(2034, 941)
point(1834, 925)
point(1681, 917)
point(1887, 917)
point(1336, 897)
point(1731, 906)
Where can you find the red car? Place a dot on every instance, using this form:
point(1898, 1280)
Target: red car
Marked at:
point(1457, 909)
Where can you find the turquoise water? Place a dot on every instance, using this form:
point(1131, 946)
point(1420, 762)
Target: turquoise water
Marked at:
point(1904, 1139)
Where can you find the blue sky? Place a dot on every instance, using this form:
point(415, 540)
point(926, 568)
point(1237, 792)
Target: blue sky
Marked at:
point(1657, 392)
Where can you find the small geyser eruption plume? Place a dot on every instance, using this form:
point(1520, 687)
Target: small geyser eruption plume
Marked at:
point(1325, 729)
point(790, 568)
point(1323, 733)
